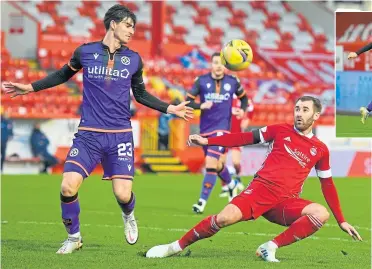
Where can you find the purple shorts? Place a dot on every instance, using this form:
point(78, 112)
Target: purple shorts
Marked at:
point(214, 151)
point(113, 150)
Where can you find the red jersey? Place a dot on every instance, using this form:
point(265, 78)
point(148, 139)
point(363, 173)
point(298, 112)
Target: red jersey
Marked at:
point(290, 157)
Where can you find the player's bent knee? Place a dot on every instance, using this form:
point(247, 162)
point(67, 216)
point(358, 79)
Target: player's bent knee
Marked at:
point(123, 195)
point(229, 215)
point(318, 211)
point(71, 183)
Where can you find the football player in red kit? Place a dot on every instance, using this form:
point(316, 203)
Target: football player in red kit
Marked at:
point(274, 192)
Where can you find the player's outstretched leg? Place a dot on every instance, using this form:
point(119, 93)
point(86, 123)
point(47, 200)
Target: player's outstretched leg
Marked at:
point(364, 111)
point(70, 212)
point(206, 228)
point(312, 218)
point(126, 199)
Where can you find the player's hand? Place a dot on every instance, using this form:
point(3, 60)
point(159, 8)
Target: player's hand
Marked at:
point(17, 88)
point(352, 55)
point(206, 105)
point(238, 112)
point(346, 227)
point(197, 140)
point(181, 110)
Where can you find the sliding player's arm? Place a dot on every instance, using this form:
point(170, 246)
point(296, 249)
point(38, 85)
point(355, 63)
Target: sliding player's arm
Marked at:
point(145, 98)
point(53, 79)
point(324, 173)
point(362, 50)
point(262, 135)
point(195, 91)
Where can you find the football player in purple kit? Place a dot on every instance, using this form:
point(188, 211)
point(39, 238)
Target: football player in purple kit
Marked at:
point(216, 91)
point(104, 135)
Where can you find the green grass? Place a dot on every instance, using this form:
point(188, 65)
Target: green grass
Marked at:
point(32, 230)
point(351, 126)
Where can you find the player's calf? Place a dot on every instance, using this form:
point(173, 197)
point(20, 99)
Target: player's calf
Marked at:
point(317, 211)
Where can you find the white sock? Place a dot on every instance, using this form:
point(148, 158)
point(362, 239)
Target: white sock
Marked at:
point(231, 185)
point(74, 235)
point(271, 244)
point(176, 246)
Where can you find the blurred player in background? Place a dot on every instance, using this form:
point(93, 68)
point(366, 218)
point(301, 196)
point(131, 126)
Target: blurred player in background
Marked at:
point(6, 135)
point(364, 111)
point(275, 190)
point(238, 125)
point(216, 90)
point(104, 134)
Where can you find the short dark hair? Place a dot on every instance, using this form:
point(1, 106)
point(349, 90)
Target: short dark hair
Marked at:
point(118, 13)
point(316, 102)
point(215, 55)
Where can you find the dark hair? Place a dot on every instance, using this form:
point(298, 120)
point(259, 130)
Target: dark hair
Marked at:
point(215, 55)
point(316, 102)
point(118, 13)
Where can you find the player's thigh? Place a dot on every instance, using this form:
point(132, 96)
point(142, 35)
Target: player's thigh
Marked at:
point(236, 155)
point(287, 212)
point(211, 162)
point(255, 200)
point(118, 161)
point(85, 153)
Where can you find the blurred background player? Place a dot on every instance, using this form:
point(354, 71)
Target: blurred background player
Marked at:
point(364, 111)
point(39, 147)
point(238, 125)
point(276, 188)
point(216, 90)
point(104, 134)
point(6, 135)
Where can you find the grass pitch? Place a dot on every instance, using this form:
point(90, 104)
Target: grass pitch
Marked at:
point(32, 230)
point(351, 126)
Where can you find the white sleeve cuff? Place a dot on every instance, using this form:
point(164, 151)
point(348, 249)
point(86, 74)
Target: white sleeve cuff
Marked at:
point(324, 174)
point(261, 137)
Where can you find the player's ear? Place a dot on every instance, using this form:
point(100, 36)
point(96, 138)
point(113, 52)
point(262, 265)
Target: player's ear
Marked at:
point(316, 115)
point(112, 24)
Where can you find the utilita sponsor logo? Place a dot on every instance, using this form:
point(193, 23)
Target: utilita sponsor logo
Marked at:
point(101, 72)
point(216, 97)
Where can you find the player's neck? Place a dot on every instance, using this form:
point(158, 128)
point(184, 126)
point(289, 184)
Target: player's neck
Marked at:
point(217, 77)
point(111, 42)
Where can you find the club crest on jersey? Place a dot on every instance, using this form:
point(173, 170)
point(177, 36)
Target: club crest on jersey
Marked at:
point(74, 152)
point(227, 87)
point(125, 60)
point(313, 151)
point(208, 85)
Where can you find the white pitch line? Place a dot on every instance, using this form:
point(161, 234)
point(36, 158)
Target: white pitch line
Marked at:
point(198, 216)
point(182, 230)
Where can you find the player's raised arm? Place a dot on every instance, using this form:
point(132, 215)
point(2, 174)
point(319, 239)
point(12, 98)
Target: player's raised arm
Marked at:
point(53, 79)
point(362, 50)
point(324, 173)
point(145, 98)
point(195, 91)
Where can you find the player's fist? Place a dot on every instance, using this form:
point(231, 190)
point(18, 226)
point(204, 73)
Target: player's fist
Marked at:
point(352, 55)
point(206, 105)
point(17, 88)
point(197, 140)
point(346, 227)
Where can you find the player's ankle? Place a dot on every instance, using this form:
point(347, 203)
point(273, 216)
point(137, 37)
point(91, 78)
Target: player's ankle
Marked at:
point(177, 246)
point(273, 244)
point(75, 235)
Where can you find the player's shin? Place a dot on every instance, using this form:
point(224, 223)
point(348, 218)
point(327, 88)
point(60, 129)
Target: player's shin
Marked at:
point(204, 229)
point(128, 207)
point(300, 229)
point(208, 183)
point(70, 214)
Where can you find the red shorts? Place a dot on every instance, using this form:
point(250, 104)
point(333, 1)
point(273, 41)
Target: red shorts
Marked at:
point(259, 200)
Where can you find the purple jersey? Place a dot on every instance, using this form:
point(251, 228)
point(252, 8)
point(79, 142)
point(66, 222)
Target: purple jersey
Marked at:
point(107, 79)
point(220, 92)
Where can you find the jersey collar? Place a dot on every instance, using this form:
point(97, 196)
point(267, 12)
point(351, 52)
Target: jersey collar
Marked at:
point(309, 135)
point(119, 49)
